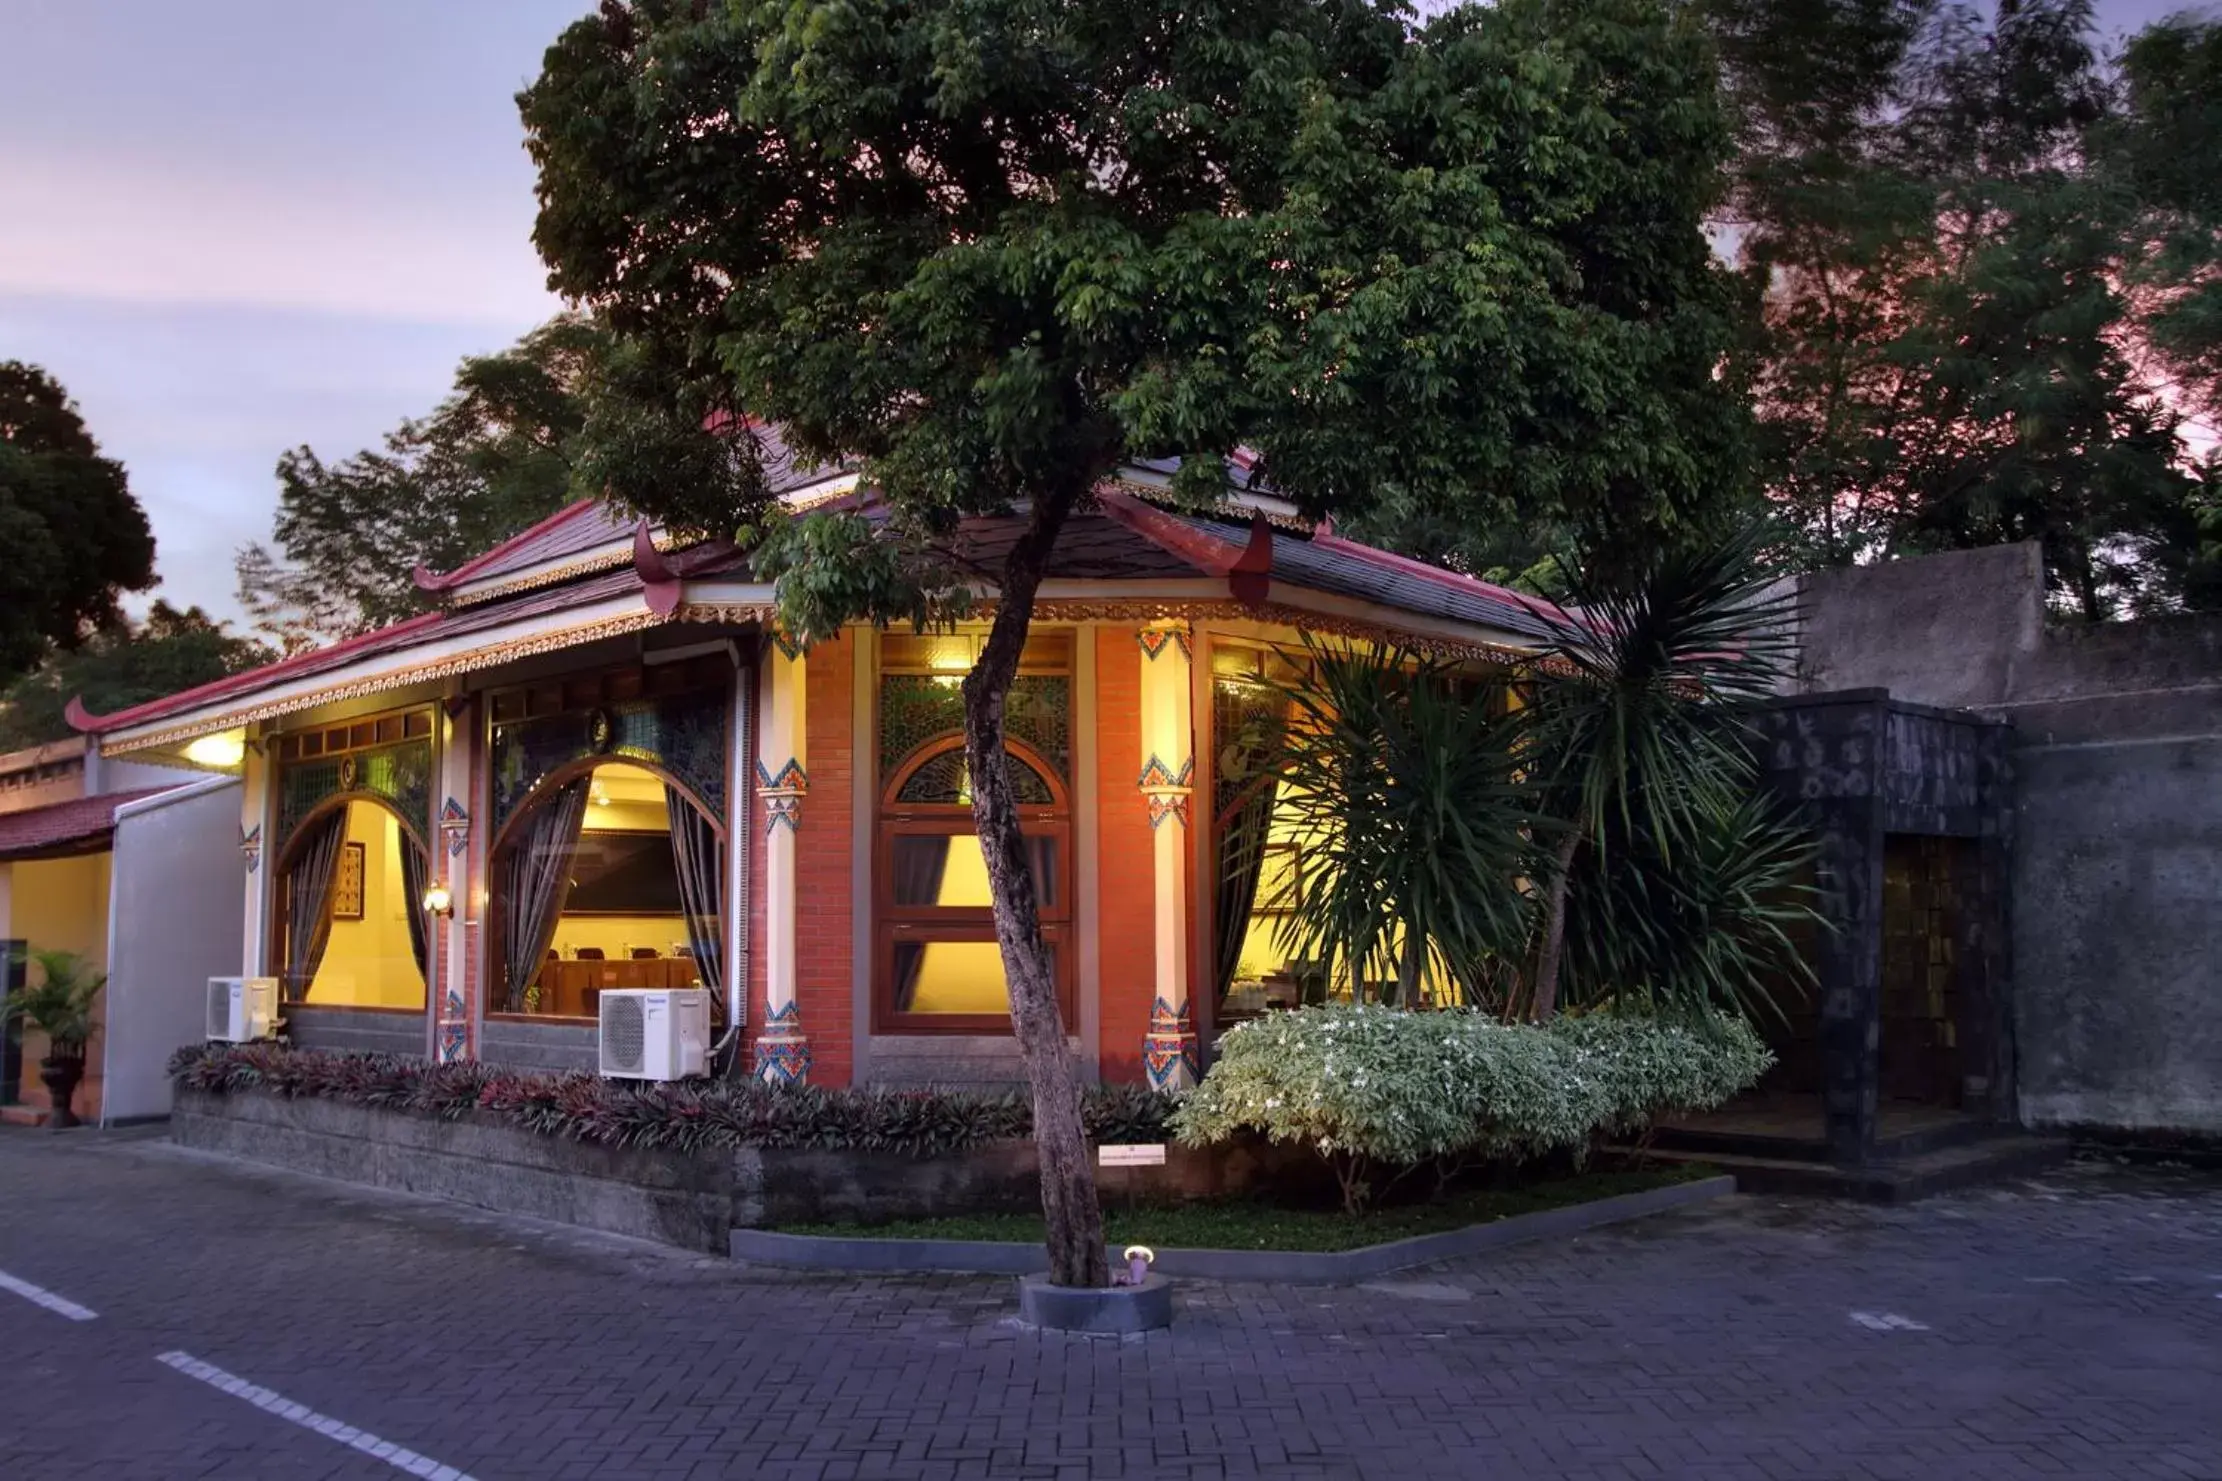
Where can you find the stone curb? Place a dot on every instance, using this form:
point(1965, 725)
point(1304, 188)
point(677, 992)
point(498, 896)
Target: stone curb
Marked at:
point(1307, 1267)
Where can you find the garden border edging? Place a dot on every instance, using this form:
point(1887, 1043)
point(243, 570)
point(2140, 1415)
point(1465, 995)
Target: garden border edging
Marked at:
point(1305, 1267)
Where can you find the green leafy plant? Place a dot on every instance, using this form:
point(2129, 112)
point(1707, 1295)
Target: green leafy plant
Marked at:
point(1370, 1087)
point(1415, 818)
point(685, 1117)
point(1636, 732)
point(60, 1004)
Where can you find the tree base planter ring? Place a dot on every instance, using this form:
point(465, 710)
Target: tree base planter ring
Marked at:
point(1110, 1310)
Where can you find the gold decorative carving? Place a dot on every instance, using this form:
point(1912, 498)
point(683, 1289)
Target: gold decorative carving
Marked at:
point(401, 678)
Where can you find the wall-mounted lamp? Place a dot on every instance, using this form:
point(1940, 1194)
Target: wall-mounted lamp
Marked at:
point(437, 901)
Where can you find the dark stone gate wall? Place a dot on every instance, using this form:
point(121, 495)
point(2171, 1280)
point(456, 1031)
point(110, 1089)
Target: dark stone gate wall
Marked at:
point(2116, 878)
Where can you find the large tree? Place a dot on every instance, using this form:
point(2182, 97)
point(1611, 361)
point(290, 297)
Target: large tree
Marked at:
point(1953, 352)
point(123, 664)
point(991, 249)
point(73, 536)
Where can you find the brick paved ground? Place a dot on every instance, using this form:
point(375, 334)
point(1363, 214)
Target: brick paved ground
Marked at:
point(2071, 1328)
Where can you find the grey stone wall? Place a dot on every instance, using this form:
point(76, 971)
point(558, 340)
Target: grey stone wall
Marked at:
point(692, 1201)
point(356, 1030)
point(540, 1046)
point(2115, 767)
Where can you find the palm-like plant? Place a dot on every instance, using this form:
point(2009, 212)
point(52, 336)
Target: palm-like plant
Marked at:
point(1636, 734)
point(1400, 783)
point(60, 1004)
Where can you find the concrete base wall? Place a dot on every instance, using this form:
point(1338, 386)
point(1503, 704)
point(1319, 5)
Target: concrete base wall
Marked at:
point(692, 1201)
point(540, 1046)
point(356, 1030)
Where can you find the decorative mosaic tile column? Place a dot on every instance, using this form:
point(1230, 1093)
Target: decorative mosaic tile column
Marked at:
point(450, 864)
point(782, 780)
point(1169, 1050)
point(254, 814)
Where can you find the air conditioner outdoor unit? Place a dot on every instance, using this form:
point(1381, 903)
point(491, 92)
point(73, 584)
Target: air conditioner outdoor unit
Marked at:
point(655, 1034)
point(242, 1009)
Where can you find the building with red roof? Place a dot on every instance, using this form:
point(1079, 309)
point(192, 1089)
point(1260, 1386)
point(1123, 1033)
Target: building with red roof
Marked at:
point(594, 765)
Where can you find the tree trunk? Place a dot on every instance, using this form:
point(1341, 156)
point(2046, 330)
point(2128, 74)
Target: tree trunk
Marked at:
point(1069, 1206)
point(1543, 1000)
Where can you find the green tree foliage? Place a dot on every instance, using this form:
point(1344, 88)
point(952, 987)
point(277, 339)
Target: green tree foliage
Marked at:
point(1952, 350)
point(74, 536)
point(989, 250)
point(121, 665)
point(1603, 842)
point(495, 456)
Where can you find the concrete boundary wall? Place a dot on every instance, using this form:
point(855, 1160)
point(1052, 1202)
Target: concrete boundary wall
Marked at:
point(2116, 760)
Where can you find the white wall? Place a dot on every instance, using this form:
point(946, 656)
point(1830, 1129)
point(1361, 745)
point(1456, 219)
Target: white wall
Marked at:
point(176, 882)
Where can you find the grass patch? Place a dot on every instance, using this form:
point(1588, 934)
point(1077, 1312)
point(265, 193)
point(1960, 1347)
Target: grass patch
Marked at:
point(1248, 1225)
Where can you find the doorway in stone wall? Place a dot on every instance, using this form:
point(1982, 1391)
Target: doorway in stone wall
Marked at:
point(1921, 1060)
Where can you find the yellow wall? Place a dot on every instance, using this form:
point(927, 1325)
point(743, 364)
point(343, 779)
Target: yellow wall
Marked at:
point(617, 935)
point(962, 976)
point(368, 963)
point(61, 905)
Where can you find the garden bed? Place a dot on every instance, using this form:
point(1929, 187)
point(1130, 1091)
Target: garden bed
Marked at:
point(1251, 1241)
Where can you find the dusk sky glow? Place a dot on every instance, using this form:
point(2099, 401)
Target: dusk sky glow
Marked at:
point(234, 226)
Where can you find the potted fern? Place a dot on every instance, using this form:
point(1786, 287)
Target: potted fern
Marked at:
point(61, 1007)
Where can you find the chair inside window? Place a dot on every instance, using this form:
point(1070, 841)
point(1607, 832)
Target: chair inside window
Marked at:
point(644, 953)
point(590, 954)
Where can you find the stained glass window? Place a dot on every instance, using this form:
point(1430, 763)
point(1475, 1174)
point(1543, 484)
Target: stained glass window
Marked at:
point(918, 709)
point(943, 780)
point(398, 774)
point(684, 734)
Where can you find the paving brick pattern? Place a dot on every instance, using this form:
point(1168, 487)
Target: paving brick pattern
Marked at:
point(2068, 1328)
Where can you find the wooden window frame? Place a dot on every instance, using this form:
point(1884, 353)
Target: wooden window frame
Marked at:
point(893, 925)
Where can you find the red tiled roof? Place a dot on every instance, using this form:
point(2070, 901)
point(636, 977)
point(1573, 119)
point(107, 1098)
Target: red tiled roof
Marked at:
point(83, 825)
point(430, 627)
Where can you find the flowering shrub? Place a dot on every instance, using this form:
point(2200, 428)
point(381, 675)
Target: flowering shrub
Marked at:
point(687, 1116)
point(1367, 1085)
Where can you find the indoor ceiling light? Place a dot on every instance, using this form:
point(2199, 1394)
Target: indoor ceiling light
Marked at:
point(226, 748)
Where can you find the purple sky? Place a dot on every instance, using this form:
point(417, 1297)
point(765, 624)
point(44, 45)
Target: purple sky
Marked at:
point(233, 226)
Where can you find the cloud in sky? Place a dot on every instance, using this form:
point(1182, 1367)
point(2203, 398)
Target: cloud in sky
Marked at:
point(239, 225)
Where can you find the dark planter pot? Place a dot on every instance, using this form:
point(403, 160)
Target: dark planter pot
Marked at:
point(60, 1073)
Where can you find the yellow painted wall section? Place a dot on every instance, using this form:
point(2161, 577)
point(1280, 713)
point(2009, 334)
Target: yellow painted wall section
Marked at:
point(62, 905)
point(368, 963)
point(618, 935)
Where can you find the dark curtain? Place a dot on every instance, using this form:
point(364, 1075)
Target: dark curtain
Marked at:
point(694, 859)
point(413, 880)
point(920, 861)
point(535, 879)
point(308, 900)
point(1241, 864)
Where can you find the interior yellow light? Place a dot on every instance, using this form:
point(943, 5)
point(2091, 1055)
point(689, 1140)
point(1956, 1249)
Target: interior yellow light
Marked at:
point(437, 900)
point(225, 748)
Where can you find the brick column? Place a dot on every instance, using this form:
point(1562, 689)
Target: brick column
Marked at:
point(1169, 1050)
point(782, 780)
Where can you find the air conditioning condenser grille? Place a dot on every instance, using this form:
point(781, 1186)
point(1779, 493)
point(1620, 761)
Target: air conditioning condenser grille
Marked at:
point(624, 1034)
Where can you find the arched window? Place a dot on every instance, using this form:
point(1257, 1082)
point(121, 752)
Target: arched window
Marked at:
point(608, 874)
point(937, 967)
point(351, 931)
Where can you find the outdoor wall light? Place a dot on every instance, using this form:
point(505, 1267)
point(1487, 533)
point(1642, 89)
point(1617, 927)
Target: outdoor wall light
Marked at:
point(225, 749)
point(437, 901)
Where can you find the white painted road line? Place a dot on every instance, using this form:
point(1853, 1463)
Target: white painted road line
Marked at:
point(43, 1297)
point(301, 1414)
point(1887, 1321)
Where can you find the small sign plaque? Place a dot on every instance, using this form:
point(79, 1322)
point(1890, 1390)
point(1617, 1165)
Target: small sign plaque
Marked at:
point(1131, 1154)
